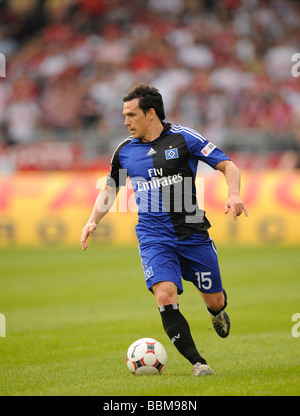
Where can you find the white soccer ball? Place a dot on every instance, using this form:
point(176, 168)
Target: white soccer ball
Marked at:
point(146, 356)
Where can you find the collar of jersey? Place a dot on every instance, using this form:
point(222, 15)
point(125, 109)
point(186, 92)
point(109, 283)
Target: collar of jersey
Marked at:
point(166, 128)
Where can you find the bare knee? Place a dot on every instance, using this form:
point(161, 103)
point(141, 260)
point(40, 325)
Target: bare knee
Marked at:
point(214, 301)
point(165, 293)
point(217, 305)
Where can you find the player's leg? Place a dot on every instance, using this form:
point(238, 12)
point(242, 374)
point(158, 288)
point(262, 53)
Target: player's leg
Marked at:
point(199, 264)
point(215, 305)
point(177, 327)
point(214, 301)
point(165, 293)
point(163, 278)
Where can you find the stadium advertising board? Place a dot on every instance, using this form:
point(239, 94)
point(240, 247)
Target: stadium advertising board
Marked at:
point(43, 209)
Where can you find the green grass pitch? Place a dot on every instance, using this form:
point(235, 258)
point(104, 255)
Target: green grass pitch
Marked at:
point(70, 317)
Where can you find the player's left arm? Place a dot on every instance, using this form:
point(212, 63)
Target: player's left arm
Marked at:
point(233, 179)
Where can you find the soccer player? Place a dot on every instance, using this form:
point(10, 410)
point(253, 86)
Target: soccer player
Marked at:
point(161, 161)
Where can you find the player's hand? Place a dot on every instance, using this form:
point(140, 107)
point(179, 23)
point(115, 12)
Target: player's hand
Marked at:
point(237, 206)
point(87, 232)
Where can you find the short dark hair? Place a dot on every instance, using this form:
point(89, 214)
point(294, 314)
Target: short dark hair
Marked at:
point(149, 97)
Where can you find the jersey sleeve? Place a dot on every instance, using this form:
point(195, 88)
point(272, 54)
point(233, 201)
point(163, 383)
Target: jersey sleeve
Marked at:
point(204, 150)
point(117, 175)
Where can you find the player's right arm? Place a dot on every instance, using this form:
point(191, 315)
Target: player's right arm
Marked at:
point(116, 178)
point(103, 203)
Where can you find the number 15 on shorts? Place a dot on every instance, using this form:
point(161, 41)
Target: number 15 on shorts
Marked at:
point(204, 282)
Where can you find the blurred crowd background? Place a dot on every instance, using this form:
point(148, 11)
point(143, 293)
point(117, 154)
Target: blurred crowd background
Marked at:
point(224, 68)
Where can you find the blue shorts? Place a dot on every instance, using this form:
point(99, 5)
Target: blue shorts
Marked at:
point(193, 259)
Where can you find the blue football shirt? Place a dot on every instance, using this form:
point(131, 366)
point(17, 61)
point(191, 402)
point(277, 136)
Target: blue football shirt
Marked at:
point(162, 174)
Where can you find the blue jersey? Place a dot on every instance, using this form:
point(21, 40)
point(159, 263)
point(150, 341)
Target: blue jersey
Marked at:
point(162, 174)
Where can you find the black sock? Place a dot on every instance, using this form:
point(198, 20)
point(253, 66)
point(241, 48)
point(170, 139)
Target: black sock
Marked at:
point(178, 330)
